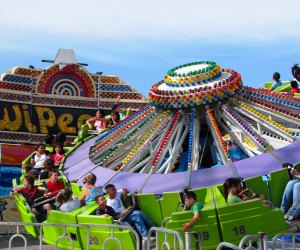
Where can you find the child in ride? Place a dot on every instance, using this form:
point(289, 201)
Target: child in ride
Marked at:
point(58, 155)
point(277, 82)
point(31, 193)
point(53, 185)
point(91, 191)
point(233, 191)
point(294, 86)
point(195, 206)
point(103, 209)
point(37, 161)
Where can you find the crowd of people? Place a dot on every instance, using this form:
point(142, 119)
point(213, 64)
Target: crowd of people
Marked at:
point(111, 203)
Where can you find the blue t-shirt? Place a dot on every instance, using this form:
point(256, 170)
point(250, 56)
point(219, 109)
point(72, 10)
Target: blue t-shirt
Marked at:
point(276, 84)
point(94, 192)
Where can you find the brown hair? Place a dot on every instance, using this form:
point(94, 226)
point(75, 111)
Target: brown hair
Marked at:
point(64, 195)
point(30, 180)
point(230, 183)
point(91, 179)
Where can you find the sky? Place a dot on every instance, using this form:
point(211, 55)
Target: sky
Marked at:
point(139, 41)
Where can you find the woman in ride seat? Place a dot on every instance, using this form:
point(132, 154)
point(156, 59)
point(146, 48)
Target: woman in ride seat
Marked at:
point(91, 191)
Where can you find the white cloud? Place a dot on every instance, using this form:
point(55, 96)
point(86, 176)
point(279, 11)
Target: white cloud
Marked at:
point(156, 19)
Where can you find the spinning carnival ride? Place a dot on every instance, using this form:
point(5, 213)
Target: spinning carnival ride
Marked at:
point(195, 115)
point(194, 112)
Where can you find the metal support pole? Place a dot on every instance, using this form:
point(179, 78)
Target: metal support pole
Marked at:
point(98, 89)
point(263, 241)
point(31, 102)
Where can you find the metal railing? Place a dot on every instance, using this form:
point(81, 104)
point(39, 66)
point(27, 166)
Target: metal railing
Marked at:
point(280, 241)
point(88, 227)
point(166, 244)
point(284, 239)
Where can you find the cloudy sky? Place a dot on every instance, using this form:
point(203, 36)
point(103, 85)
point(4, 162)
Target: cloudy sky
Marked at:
point(141, 40)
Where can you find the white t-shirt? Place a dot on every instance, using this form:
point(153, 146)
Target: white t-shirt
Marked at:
point(116, 203)
point(39, 160)
point(70, 206)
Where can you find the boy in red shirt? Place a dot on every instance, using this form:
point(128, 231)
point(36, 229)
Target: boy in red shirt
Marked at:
point(30, 192)
point(53, 185)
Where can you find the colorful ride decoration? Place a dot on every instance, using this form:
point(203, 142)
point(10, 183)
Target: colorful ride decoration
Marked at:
point(61, 97)
point(194, 84)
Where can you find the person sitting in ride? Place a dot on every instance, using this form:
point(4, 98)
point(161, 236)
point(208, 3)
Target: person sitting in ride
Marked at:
point(114, 119)
point(233, 191)
point(103, 209)
point(58, 155)
point(277, 82)
point(117, 107)
point(235, 152)
point(98, 122)
point(61, 139)
point(37, 161)
point(69, 203)
point(54, 185)
point(31, 193)
point(116, 198)
point(91, 191)
point(195, 206)
point(290, 204)
point(49, 140)
point(294, 87)
point(48, 166)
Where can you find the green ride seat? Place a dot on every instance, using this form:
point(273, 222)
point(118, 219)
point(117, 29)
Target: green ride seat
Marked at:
point(268, 85)
point(247, 217)
point(285, 87)
point(97, 236)
point(206, 225)
point(169, 203)
point(258, 186)
point(26, 215)
point(150, 205)
point(206, 197)
point(76, 189)
point(277, 183)
point(58, 217)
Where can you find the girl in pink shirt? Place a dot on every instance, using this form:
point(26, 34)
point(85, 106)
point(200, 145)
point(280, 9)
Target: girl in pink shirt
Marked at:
point(58, 155)
point(98, 122)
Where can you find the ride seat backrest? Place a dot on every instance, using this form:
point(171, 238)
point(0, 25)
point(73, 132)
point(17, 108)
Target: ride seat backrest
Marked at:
point(26, 215)
point(76, 189)
point(277, 183)
point(258, 186)
point(205, 196)
point(58, 217)
point(97, 236)
point(219, 198)
point(169, 202)
point(150, 205)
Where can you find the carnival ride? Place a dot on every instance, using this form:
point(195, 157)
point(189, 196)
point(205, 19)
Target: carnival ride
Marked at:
point(195, 113)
